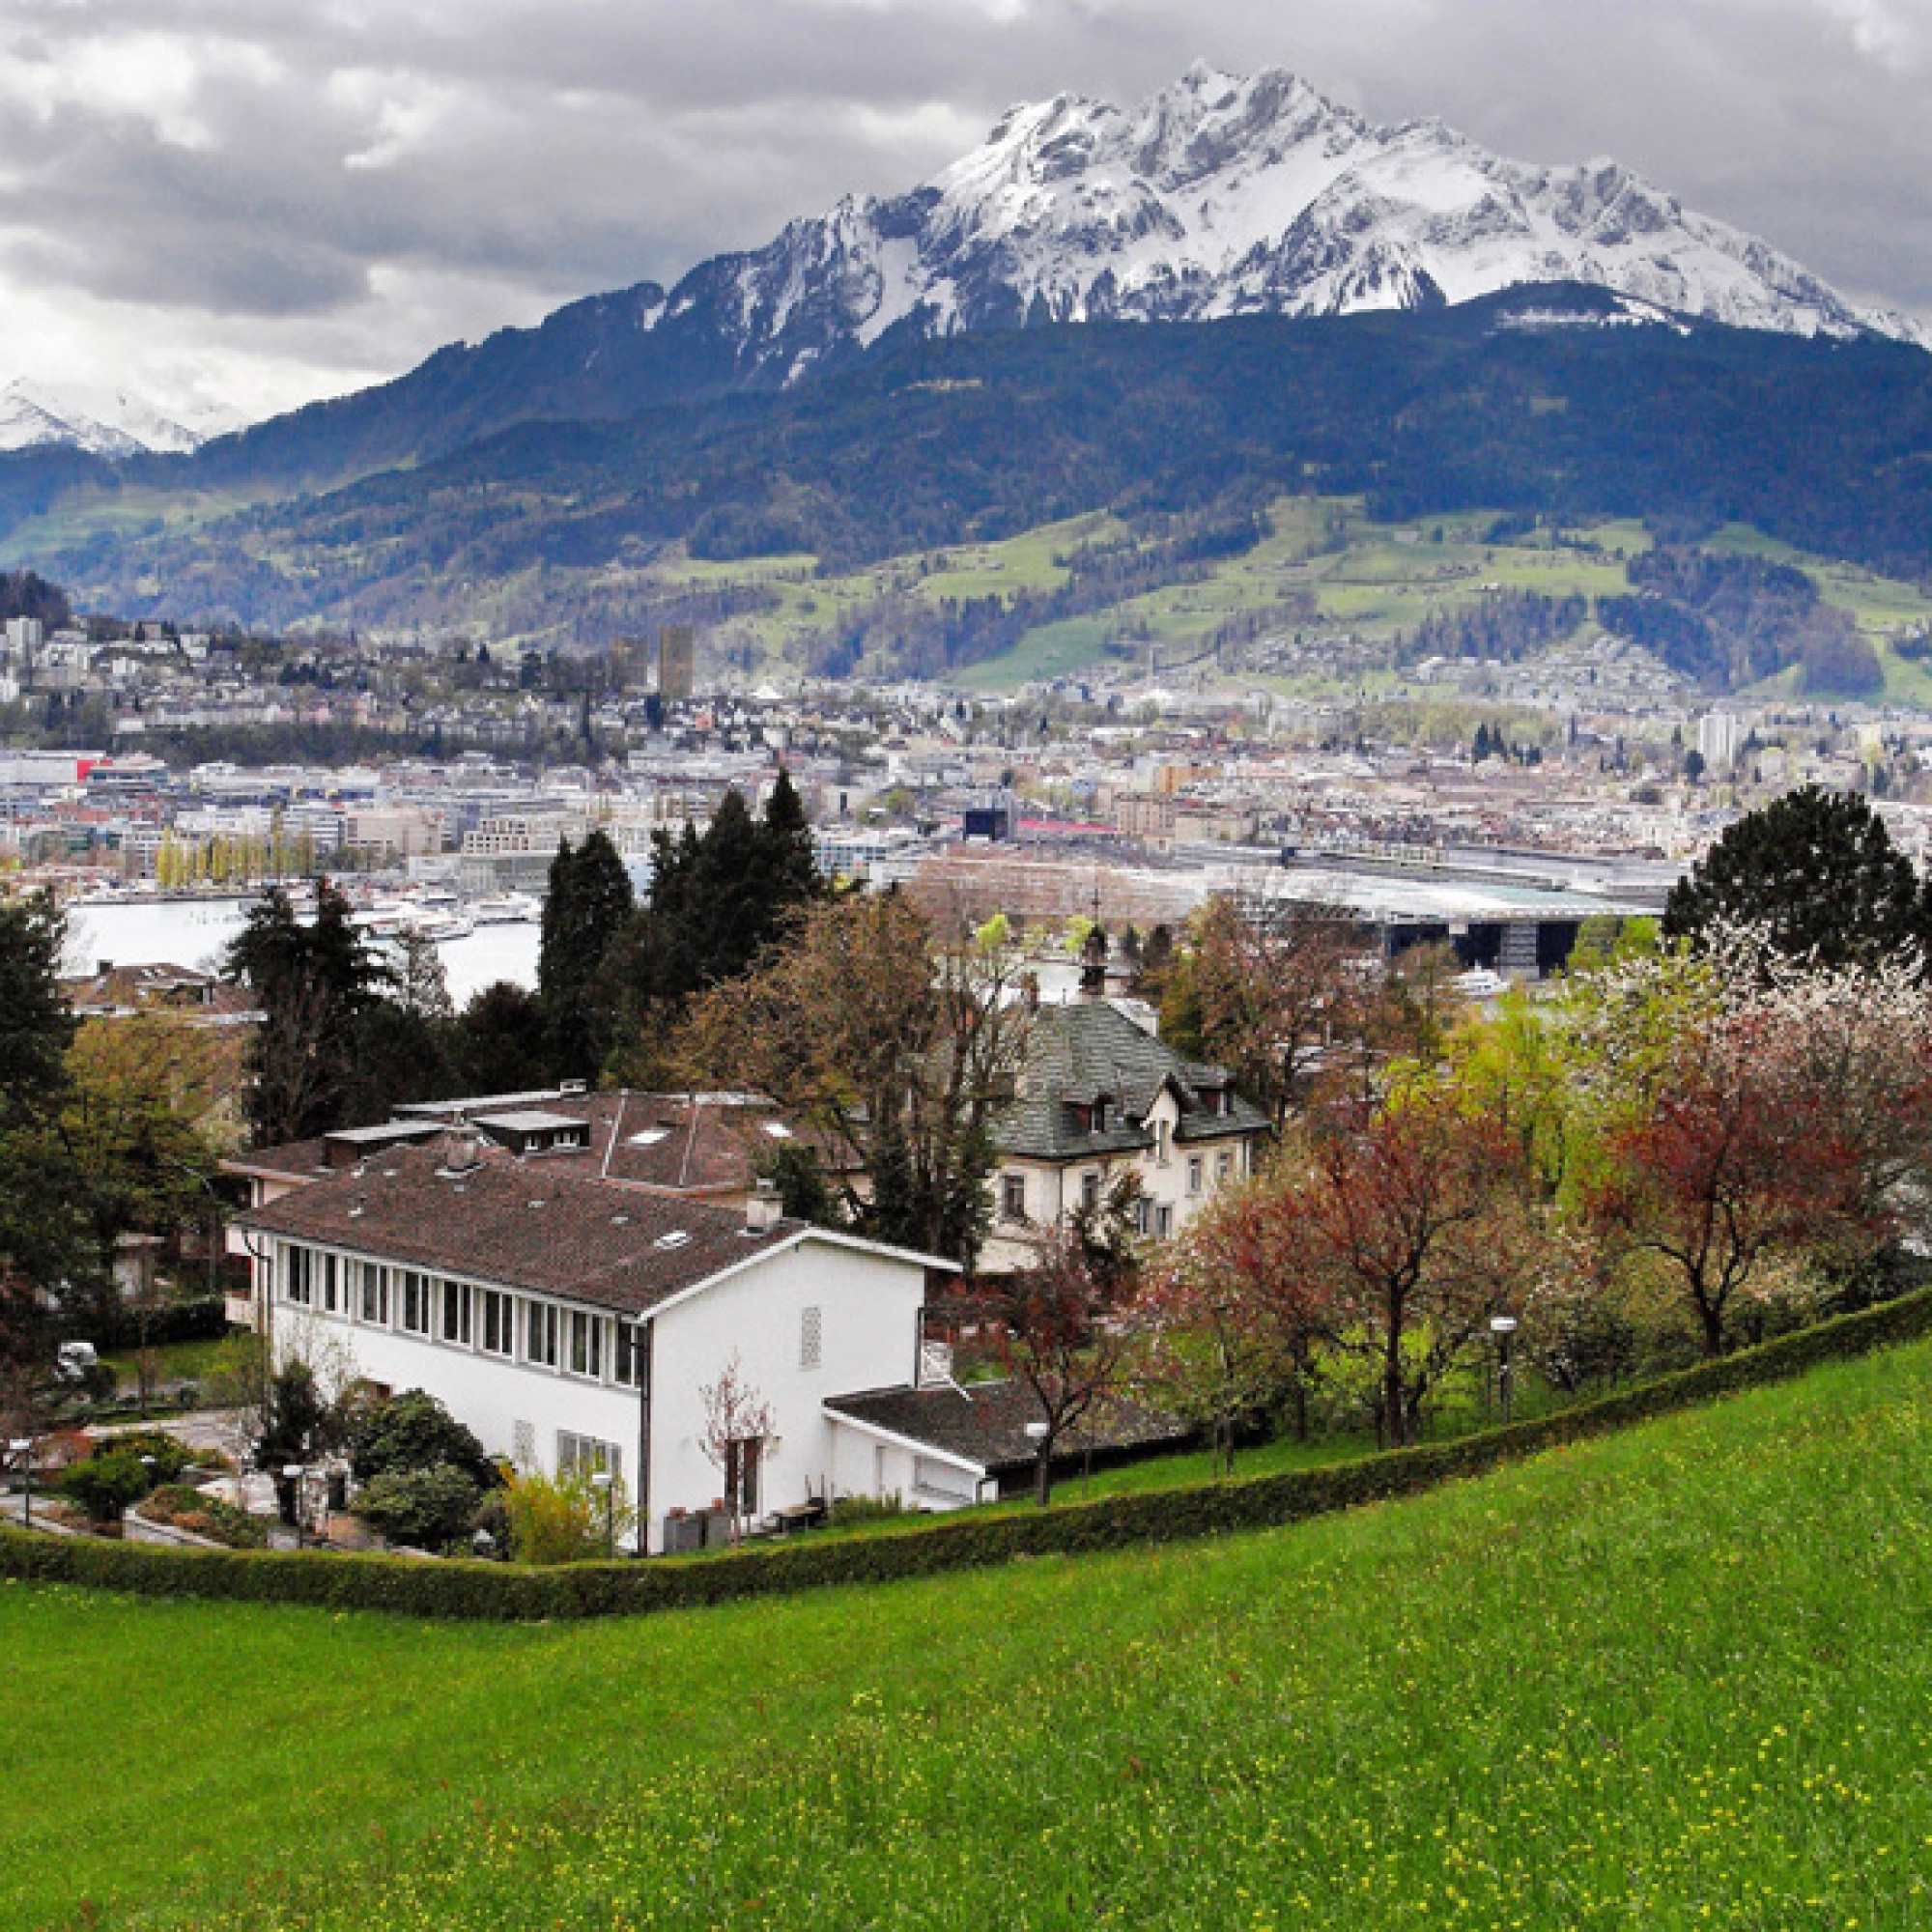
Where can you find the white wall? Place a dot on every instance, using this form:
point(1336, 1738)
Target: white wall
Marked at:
point(868, 1327)
point(868, 1314)
point(864, 1464)
point(1053, 1190)
point(487, 1393)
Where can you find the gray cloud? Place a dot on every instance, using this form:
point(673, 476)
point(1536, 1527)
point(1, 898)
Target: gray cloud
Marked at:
point(273, 202)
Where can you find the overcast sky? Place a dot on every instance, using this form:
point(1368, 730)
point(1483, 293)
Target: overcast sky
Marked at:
point(263, 201)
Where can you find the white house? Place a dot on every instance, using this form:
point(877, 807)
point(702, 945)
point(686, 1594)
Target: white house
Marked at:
point(569, 1321)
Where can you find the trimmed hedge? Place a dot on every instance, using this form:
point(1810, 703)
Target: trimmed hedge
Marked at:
point(501, 1592)
point(202, 1317)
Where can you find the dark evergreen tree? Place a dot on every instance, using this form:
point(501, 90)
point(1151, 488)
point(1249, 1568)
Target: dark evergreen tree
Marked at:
point(498, 1044)
point(790, 860)
point(1817, 871)
point(589, 900)
point(35, 1025)
point(44, 1229)
point(718, 899)
point(315, 986)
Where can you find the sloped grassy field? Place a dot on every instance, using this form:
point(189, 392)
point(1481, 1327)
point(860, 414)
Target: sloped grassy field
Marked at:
point(1680, 1678)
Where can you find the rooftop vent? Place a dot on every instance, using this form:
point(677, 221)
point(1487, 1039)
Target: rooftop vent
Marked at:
point(570, 1087)
point(676, 1238)
point(648, 1137)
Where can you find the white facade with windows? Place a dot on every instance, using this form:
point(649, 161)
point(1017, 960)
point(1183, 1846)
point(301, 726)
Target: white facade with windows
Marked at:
point(556, 1383)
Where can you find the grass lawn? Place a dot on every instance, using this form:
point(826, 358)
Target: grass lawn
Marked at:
point(174, 1361)
point(1680, 1678)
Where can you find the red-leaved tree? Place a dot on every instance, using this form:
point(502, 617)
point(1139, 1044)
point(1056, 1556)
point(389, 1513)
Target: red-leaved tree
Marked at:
point(1406, 1218)
point(1740, 1159)
point(1066, 1327)
point(1234, 1316)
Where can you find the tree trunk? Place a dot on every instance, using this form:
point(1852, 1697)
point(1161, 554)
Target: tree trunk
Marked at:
point(1394, 1407)
point(1712, 1318)
point(1042, 1475)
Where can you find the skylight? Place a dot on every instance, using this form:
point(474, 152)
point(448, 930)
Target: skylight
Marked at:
point(649, 1137)
point(676, 1238)
point(778, 1129)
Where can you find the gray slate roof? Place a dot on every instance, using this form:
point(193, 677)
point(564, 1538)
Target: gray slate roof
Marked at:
point(986, 1422)
point(1078, 1053)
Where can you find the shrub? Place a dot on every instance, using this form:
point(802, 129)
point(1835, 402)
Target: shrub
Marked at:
point(868, 1509)
point(423, 1508)
point(171, 1457)
point(561, 1519)
point(200, 1318)
point(970, 1540)
point(106, 1483)
point(414, 1432)
point(219, 1521)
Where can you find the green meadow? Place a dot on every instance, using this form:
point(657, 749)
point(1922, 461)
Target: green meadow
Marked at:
point(1678, 1678)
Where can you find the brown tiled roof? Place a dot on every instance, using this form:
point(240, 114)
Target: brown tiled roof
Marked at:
point(292, 1160)
point(182, 989)
point(666, 1143)
point(547, 1225)
point(986, 1422)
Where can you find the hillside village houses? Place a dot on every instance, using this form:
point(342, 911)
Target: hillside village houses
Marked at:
point(568, 1273)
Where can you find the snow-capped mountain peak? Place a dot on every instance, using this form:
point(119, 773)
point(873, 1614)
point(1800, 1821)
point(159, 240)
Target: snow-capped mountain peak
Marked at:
point(1225, 195)
point(109, 422)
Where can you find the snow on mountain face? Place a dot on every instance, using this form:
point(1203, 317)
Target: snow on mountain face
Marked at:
point(104, 422)
point(1224, 196)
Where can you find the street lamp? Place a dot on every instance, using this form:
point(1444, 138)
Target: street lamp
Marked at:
point(1502, 1327)
point(291, 1474)
point(1038, 1434)
point(23, 1447)
point(599, 1479)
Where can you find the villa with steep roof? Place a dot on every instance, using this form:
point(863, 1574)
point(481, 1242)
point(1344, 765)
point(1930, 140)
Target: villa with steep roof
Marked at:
point(1097, 1098)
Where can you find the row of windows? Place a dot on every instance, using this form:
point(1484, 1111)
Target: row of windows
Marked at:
point(515, 1327)
point(1013, 1187)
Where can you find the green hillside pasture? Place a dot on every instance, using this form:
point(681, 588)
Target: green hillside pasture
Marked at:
point(1680, 1678)
point(1377, 580)
point(810, 605)
point(1876, 604)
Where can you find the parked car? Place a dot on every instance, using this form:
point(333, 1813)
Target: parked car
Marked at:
point(75, 1361)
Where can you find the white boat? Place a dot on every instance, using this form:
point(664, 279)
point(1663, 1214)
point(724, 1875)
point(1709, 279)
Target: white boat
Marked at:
point(505, 909)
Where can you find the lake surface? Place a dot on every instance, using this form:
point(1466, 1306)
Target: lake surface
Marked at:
point(194, 932)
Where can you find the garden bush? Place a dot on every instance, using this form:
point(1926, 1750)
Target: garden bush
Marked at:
point(186, 1508)
point(171, 1456)
point(106, 1483)
point(562, 1519)
point(426, 1508)
point(514, 1592)
point(414, 1432)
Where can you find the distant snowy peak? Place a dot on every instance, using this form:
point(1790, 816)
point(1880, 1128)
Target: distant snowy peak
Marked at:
point(1222, 197)
point(104, 422)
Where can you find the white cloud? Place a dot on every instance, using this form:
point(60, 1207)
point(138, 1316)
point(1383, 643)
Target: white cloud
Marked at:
point(276, 201)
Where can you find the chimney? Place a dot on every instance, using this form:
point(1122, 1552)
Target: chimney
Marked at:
point(102, 967)
point(460, 1154)
point(763, 1211)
